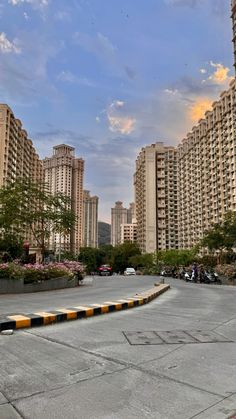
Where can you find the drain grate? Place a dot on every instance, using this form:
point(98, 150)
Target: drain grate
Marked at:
point(173, 337)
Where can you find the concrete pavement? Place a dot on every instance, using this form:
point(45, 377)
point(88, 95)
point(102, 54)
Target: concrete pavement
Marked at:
point(94, 290)
point(57, 315)
point(90, 370)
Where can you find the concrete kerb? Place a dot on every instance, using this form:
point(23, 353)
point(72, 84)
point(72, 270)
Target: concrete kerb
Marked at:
point(40, 318)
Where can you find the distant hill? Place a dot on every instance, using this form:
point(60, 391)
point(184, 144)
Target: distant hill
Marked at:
point(104, 233)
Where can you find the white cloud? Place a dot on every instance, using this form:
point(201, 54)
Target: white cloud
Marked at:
point(98, 45)
point(7, 46)
point(98, 120)
point(202, 70)
point(26, 16)
point(117, 104)
point(36, 3)
point(106, 43)
point(188, 3)
point(24, 77)
point(121, 124)
point(220, 75)
point(62, 15)
point(118, 120)
point(199, 108)
point(171, 91)
point(68, 77)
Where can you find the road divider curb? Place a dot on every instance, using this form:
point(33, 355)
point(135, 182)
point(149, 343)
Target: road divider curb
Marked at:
point(40, 318)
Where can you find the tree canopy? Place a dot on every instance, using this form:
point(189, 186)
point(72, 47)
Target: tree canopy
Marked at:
point(222, 235)
point(28, 208)
point(175, 257)
point(122, 254)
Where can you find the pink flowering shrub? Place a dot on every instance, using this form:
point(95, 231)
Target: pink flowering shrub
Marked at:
point(73, 266)
point(10, 270)
point(40, 272)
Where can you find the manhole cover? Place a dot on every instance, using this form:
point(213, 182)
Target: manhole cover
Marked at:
point(173, 337)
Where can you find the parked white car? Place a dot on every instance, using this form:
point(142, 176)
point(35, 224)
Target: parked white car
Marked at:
point(129, 271)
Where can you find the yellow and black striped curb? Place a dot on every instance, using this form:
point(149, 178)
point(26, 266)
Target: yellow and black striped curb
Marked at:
point(18, 321)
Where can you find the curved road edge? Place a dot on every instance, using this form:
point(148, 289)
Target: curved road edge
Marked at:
point(43, 318)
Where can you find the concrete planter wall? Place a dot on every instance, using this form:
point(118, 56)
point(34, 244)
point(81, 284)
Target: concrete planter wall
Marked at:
point(17, 286)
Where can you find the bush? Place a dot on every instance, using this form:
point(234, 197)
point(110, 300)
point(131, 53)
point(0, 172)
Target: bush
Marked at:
point(227, 270)
point(207, 260)
point(39, 272)
point(10, 270)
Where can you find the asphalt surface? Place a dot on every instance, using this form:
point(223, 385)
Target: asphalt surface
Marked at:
point(101, 368)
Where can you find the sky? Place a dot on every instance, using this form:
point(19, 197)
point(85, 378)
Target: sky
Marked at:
point(109, 77)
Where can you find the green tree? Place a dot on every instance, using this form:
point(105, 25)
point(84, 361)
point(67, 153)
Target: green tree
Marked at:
point(88, 257)
point(106, 251)
point(214, 239)
point(92, 258)
point(121, 255)
point(142, 261)
point(222, 236)
point(175, 257)
point(11, 245)
point(27, 208)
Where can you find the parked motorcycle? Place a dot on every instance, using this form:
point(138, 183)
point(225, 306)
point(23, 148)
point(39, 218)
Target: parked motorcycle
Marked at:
point(210, 278)
point(217, 279)
point(187, 277)
point(182, 273)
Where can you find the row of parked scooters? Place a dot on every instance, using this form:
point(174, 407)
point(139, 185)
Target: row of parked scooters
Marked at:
point(203, 276)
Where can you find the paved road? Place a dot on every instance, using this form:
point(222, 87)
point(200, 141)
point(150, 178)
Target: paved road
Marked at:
point(97, 369)
point(94, 290)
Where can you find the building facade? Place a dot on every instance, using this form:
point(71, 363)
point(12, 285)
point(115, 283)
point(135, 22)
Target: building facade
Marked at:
point(155, 185)
point(207, 170)
point(18, 157)
point(128, 233)
point(233, 3)
point(90, 220)
point(64, 173)
point(119, 215)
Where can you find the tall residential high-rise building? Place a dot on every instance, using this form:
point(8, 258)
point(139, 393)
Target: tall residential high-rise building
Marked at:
point(90, 220)
point(128, 232)
point(155, 184)
point(63, 172)
point(207, 170)
point(18, 157)
point(233, 6)
point(119, 215)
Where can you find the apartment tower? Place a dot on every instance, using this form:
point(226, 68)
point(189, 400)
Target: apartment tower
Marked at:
point(233, 3)
point(18, 157)
point(64, 173)
point(155, 184)
point(207, 170)
point(128, 233)
point(90, 220)
point(119, 215)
